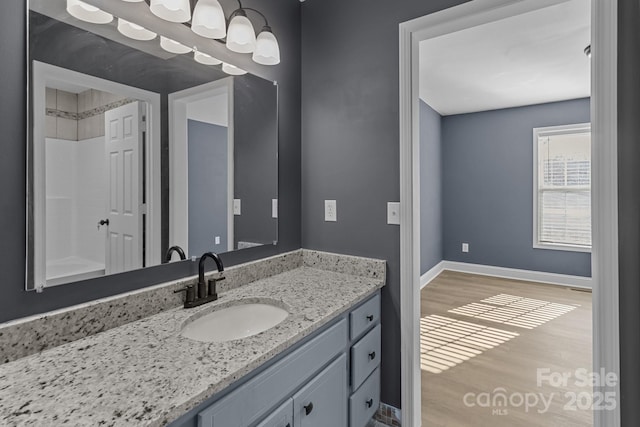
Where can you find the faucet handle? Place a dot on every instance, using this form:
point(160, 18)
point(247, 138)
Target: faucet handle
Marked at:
point(190, 292)
point(212, 289)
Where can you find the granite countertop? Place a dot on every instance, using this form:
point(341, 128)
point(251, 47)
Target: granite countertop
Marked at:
point(145, 373)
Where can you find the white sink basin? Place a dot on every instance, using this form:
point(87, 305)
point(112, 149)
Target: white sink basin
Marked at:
point(235, 322)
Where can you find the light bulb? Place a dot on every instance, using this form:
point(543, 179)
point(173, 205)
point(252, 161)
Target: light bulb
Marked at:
point(241, 36)
point(205, 59)
point(173, 46)
point(172, 10)
point(232, 69)
point(134, 31)
point(209, 20)
point(85, 12)
point(267, 50)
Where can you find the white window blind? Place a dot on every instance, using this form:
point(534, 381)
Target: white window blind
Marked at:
point(563, 186)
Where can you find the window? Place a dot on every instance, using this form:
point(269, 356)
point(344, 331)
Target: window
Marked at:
point(562, 187)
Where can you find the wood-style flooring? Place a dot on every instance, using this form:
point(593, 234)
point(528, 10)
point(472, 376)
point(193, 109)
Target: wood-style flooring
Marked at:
point(501, 332)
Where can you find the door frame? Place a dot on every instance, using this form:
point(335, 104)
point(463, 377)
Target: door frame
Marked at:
point(47, 74)
point(606, 350)
point(178, 165)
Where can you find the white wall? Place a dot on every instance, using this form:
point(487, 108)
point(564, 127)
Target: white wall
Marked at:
point(90, 197)
point(76, 194)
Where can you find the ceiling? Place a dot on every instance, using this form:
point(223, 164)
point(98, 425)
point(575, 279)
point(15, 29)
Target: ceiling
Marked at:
point(526, 59)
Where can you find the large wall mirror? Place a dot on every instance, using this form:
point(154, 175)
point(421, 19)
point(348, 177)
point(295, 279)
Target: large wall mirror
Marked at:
point(133, 149)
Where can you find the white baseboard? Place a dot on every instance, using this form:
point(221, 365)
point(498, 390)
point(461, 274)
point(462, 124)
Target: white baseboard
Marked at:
point(516, 274)
point(427, 277)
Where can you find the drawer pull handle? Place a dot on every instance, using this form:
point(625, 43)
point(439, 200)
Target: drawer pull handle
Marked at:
point(369, 403)
point(370, 318)
point(308, 408)
point(372, 355)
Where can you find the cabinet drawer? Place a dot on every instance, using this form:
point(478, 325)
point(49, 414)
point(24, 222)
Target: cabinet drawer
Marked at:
point(365, 357)
point(365, 402)
point(281, 417)
point(323, 401)
point(364, 317)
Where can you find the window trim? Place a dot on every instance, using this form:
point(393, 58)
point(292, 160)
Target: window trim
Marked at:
point(554, 130)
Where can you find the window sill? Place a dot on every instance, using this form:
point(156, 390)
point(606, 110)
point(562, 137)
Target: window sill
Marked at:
point(561, 247)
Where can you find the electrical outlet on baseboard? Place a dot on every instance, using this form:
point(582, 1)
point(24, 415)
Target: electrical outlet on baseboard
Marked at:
point(465, 247)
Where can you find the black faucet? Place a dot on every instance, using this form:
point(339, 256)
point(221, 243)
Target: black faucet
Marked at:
point(172, 249)
point(206, 292)
point(203, 291)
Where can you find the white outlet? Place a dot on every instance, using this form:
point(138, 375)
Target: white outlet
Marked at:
point(330, 212)
point(237, 207)
point(217, 239)
point(465, 247)
point(274, 208)
point(393, 213)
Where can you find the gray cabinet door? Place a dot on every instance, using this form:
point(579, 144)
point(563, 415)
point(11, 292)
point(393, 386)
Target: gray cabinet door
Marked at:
point(227, 412)
point(281, 417)
point(323, 401)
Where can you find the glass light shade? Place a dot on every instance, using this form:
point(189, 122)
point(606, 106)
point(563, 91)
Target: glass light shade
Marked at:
point(172, 10)
point(205, 59)
point(85, 12)
point(267, 50)
point(209, 20)
point(241, 36)
point(232, 69)
point(173, 46)
point(134, 31)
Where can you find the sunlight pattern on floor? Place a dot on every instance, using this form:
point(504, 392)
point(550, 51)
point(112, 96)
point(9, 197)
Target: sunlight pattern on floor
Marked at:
point(446, 342)
point(513, 310)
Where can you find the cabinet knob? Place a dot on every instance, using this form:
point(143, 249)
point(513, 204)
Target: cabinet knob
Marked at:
point(369, 403)
point(370, 318)
point(372, 355)
point(308, 408)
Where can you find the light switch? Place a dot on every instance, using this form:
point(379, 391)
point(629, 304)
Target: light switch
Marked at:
point(465, 247)
point(217, 240)
point(393, 213)
point(237, 207)
point(330, 213)
point(274, 208)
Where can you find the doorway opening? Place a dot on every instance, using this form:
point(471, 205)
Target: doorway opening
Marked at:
point(502, 307)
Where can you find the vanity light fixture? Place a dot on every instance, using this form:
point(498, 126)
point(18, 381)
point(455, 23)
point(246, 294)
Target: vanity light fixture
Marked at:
point(173, 46)
point(172, 10)
point(232, 69)
point(205, 59)
point(134, 31)
point(267, 49)
point(88, 13)
point(209, 20)
point(241, 36)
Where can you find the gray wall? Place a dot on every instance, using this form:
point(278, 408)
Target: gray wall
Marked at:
point(487, 195)
point(350, 140)
point(208, 186)
point(430, 188)
point(256, 155)
point(629, 207)
point(284, 18)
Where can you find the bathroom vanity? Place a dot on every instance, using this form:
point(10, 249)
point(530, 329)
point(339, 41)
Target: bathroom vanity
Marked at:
point(317, 367)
